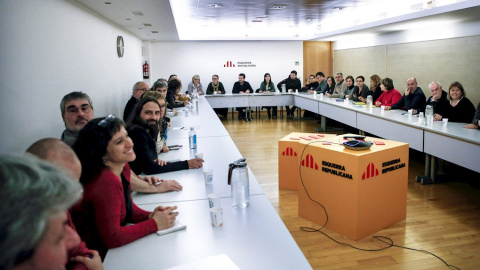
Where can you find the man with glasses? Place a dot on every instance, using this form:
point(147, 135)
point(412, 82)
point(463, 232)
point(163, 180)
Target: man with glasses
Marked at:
point(77, 110)
point(138, 89)
point(340, 86)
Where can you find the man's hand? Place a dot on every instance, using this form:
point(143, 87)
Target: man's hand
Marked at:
point(248, 91)
point(437, 96)
point(241, 92)
point(471, 126)
point(169, 185)
point(93, 263)
point(195, 163)
point(437, 117)
point(407, 92)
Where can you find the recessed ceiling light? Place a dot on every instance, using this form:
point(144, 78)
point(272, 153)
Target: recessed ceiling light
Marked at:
point(213, 5)
point(108, 3)
point(257, 21)
point(147, 24)
point(155, 32)
point(128, 19)
point(279, 6)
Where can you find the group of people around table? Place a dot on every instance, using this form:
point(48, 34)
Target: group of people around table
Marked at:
point(68, 200)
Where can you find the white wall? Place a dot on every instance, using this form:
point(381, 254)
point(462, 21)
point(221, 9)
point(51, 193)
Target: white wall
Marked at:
point(206, 58)
point(53, 47)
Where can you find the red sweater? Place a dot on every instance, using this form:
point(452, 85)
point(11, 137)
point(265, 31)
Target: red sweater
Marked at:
point(80, 250)
point(100, 216)
point(390, 97)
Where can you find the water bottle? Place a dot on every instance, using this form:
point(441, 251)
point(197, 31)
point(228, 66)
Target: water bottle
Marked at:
point(238, 179)
point(192, 138)
point(429, 115)
point(369, 102)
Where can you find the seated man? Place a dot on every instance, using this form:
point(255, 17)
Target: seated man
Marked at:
point(60, 154)
point(143, 130)
point(438, 100)
point(138, 89)
point(242, 87)
point(77, 110)
point(322, 83)
point(291, 84)
point(311, 85)
point(413, 98)
point(476, 119)
point(35, 197)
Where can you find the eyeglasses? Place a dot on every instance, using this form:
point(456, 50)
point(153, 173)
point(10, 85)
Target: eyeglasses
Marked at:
point(107, 119)
point(86, 108)
point(214, 78)
point(142, 89)
point(338, 76)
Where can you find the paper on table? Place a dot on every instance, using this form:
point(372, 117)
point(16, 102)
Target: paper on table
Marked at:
point(216, 262)
point(176, 227)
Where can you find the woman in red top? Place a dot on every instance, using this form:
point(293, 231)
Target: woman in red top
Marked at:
point(389, 95)
point(104, 149)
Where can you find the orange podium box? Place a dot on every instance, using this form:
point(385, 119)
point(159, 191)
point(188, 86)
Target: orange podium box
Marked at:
point(289, 150)
point(362, 191)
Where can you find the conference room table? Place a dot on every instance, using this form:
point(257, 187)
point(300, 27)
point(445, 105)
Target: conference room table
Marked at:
point(250, 238)
point(452, 143)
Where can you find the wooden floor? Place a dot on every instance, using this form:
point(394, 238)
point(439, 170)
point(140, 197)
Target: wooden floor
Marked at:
point(442, 218)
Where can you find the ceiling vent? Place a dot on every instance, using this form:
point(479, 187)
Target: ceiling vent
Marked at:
point(136, 13)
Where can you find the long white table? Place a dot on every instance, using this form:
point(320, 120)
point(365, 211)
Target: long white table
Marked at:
point(454, 143)
point(253, 238)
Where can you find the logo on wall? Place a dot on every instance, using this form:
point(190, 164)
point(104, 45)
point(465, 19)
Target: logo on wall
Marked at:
point(371, 171)
point(289, 152)
point(229, 64)
point(309, 163)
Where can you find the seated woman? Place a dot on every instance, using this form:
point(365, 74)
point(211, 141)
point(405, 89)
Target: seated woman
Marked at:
point(461, 109)
point(330, 86)
point(375, 86)
point(101, 218)
point(390, 95)
point(350, 87)
point(216, 88)
point(195, 84)
point(361, 91)
point(268, 86)
point(175, 85)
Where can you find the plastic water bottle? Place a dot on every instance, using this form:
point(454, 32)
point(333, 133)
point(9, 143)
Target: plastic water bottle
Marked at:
point(369, 102)
point(192, 138)
point(429, 115)
point(196, 105)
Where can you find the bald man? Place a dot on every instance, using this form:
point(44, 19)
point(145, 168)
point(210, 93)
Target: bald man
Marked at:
point(139, 88)
point(413, 98)
point(60, 154)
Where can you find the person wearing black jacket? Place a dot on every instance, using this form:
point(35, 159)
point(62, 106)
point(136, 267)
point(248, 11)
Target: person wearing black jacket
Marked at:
point(143, 130)
point(438, 100)
point(242, 87)
point(413, 98)
point(291, 84)
point(139, 88)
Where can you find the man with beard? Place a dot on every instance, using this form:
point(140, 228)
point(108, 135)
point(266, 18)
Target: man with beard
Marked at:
point(77, 110)
point(143, 130)
point(291, 84)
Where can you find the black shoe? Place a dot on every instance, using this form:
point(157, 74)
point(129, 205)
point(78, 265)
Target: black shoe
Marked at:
point(274, 117)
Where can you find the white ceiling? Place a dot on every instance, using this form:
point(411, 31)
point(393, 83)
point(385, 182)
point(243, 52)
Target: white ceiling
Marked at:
point(260, 20)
